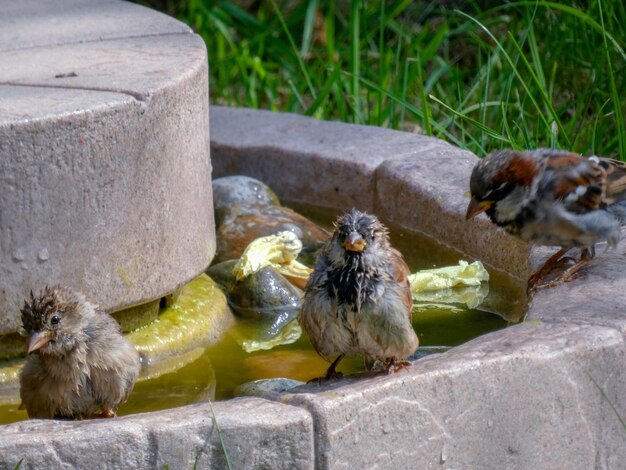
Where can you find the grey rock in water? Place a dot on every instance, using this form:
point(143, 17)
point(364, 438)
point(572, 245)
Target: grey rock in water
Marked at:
point(229, 191)
point(266, 296)
point(266, 388)
point(222, 273)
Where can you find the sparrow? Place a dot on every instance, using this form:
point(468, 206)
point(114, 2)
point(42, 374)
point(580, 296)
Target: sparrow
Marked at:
point(553, 198)
point(78, 365)
point(358, 300)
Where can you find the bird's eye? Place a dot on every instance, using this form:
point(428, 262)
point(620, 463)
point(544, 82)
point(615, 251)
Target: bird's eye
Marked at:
point(55, 319)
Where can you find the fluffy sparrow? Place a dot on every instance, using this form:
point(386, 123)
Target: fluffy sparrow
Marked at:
point(553, 198)
point(358, 298)
point(79, 365)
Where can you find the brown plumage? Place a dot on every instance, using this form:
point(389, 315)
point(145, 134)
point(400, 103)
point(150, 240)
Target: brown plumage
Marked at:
point(79, 365)
point(554, 198)
point(358, 299)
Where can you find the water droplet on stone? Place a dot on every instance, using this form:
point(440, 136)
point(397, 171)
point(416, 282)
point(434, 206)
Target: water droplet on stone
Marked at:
point(444, 454)
point(43, 254)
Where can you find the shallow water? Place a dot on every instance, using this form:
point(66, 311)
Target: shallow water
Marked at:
point(214, 372)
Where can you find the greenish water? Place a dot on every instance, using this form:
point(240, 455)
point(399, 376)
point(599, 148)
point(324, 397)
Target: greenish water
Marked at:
point(214, 372)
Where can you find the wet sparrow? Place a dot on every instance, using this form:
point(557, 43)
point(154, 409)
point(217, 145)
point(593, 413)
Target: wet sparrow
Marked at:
point(553, 198)
point(79, 365)
point(358, 298)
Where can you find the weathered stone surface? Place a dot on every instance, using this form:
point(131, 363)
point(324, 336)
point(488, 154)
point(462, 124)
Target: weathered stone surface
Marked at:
point(243, 224)
point(266, 388)
point(256, 434)
point(135, 317)
point(596, 296)
point(302, 159)
point(104, 165)
point(56, 22)
point(236, 190)
point(520, 398)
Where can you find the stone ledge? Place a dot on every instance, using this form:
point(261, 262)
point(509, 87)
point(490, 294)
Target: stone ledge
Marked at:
point(519, 398)
point(257, 434)
point(58, 22)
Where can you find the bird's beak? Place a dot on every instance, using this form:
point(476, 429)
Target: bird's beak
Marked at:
point(354, 242)
point(37, 340)
point(475, 207)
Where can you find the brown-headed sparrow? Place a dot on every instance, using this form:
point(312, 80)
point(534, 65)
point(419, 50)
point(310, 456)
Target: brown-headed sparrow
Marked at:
point(79, 365)
point(553, 198)
point(358, 299)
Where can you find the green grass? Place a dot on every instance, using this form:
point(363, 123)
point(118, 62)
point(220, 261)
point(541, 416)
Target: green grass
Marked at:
point(521, 74)
point(220, 437)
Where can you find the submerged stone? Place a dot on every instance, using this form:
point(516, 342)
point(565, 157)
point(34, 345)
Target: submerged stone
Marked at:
point(266, 302)
point(247, 209)
point(270, 389)
point(10, 381)
point(270, 304)
point(169, 364)
point(243, 224)
point(198, 318)
point(265, 295)
point(222, 273)
point(230, 191)
point(135, 317)
point(12, 345)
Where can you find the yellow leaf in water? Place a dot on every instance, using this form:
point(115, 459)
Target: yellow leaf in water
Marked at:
point(278, 251)
point(465, 274)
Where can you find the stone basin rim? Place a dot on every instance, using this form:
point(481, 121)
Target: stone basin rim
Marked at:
point(551, 340)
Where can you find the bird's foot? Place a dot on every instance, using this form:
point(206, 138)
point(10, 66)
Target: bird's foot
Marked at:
point(554, 261)
point(107, 413)
point(568, 275)
point(331, 373)
point(326, 377)
point(393, 366)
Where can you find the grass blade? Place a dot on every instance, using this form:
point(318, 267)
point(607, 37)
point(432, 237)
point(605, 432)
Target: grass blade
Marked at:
point(309, 26)
point(487, 130)
point(219, 435)
point(514, 68)
point(355, 57)
point(303, 69)
point(323, 94)
point(617, 105)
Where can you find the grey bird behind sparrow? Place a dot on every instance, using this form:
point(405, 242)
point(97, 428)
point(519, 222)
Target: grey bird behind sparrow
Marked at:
point(358, 299)
point(79, 365)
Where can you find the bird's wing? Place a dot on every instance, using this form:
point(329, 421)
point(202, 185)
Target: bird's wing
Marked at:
point(400, 273)
point(615, 180)
point(579, 182)
point(320, 273)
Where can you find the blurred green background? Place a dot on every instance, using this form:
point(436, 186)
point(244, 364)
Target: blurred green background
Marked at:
point(481, 74)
